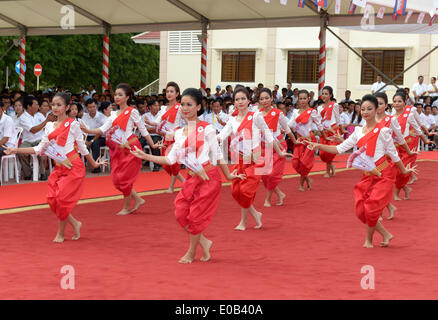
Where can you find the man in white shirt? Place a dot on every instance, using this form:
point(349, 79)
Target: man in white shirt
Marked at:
point(346, 117)
point(432, 89)
point(377, 85)
point(33, 124)
point(151, 120)
point(419, 89)
point(93, 120)
point(8, 134)
point(217, 118)
point(428, 119)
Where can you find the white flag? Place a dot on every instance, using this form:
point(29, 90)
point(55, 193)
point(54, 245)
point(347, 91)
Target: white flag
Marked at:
point(366, 14)
point(421, 18)
point(53, 151)
point(338, 7)
point(267, 1)
point(283, 2)
point(408, 16)
point(360, 3)
point(381, 13)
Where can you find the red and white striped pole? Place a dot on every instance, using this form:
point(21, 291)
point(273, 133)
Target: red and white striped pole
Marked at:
point(322, 55)
point(105, 70)
point(204, 59)
point(22, 63)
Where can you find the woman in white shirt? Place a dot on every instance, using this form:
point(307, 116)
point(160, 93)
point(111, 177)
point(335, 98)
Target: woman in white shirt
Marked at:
point(120, 139)
point(196, 147)
point(66, 180)
point(374, 191)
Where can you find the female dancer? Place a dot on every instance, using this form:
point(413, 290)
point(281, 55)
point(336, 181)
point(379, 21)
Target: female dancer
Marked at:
point(124, 166)
point(330, 121)
point(66, 180)
point(301, 122)
point(246, 128)
point(276, 120)
point(374, 191)
point(395, 129)
point(407, 121)
point(196, 146)
point(170, 120)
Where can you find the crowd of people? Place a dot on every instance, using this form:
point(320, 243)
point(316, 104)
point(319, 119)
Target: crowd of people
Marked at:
point(255, 130)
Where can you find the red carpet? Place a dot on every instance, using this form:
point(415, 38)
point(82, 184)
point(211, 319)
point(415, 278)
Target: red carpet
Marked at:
point(22, 195)
point(311, 248)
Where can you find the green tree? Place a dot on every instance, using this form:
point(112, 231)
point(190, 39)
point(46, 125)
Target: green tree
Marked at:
point(75, 61)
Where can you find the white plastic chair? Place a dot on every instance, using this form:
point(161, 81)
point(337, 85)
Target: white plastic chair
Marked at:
point(105, 156)
point(5, 160)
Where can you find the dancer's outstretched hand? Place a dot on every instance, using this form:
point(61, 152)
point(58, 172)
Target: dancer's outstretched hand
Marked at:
point(413, 152)
point(410, 169)
point(311, 145)
point(204, 176)
point(234, 176)
point(285, 154)
point(100, 163)
point(336, 137)
point(138, 153)
point(9, 151)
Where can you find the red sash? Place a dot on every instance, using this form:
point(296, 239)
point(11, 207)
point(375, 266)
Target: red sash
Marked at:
point(123, 118)
point(326, 113)
point(386, 121)
point(247, 124)
point(170, 115)
point(198, 136)
point(61, 133)
point(271, 118)
point(304, 117)
point(370, 140)
point(403, 118)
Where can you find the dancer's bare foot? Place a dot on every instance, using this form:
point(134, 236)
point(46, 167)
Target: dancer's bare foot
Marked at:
point(123, 212)
point(206, 245)
point(407, 192)
point(188, 257)
point(380, 218)
point(391, 209)
point(241, 226)
point(309, 184)
point(258, 219)
point(397, 195)
point(386, 240)
point(333, 169)
point(327, 175)
point(281, 198)
point(368, 244)
point(267, 203)
point(138, 204)
point(170, 190)
point(301, 188)
point(413, 179)
point(59, 238)
point(77, 230)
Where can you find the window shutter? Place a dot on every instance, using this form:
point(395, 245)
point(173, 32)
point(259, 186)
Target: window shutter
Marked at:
point(390, 62)
point(303, 66)
point(184, 42)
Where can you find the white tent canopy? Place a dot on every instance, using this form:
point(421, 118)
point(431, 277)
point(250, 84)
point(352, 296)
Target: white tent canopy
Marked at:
point(43, 17)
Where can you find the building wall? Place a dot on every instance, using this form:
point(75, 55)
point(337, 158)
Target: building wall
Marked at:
point(343, 67)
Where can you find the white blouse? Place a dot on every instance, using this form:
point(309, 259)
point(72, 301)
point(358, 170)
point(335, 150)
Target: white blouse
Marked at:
point(179, 121)
point(259, 128)
point(282, 124)
point(411, 122)
point(75, 135)
point(134, 118)
point(314, 118)
point(335, 117)
point(209, 152)
point(384, 146)
point(395, 130)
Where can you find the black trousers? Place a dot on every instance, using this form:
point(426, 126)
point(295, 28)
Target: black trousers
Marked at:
point(95, 146)
point(155, 152)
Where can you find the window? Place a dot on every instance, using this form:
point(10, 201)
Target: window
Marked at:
point(302, 66)
point(184, 42)
point(390, 62)
point(238, 66)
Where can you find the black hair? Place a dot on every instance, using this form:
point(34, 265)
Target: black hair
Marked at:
point(139, 101)
point(401, 93)
point(28, 101)
point(64, 96)
point(241, 89)
point(267, 90)
point(151, 102)
point(370, 98)
point(382, 95)
point(127, 90)
point(104, 105)
point(330, 90)
point(195, 94)
point(90, 101)
point(304, 92)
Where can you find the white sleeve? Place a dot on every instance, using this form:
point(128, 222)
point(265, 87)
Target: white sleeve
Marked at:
point(135, 115)
point(390, 149)
point(316, 118)
point(417, 117)
point(9, 128)
point(349, 143)
point(25, 123)
point(76, 131)
point(283, 122)
point(226, 131)
point(292, 123)
point(107, 125)
point(396, 129)
point(171, 156)
point(263, 127)
point(43, 143)
point(413, 123)
point(336, 111)
point(211, 138)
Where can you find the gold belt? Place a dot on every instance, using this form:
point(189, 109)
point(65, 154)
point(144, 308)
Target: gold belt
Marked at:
point(128, 143)
point(379, 168)
point(68, 160)
point(206, 167)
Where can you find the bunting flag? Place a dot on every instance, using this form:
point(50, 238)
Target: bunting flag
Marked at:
point(394, 15)
point(420, 18)
point(408, 16)
point(401, 7)
point(267, 1)
point(283, 2)
point(352, 8)
point(381, 13)
point(366, 13)
point(360, 3)
point(338, 7)
point(301, 3)
point(321, 3)
point(432, 20)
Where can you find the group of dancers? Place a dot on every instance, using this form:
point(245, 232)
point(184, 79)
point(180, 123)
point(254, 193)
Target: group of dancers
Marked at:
point(254, 137)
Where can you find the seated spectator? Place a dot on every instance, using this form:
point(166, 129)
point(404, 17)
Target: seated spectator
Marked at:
point(217, 117)
point(419, 89)
point(432, 89)
point(33, 124)
point(94, 120)
point(377, 85)
point(106, 109)
point(429, 120)
point(141, 106)
point(45, 108)
point(8, 134)
point(151, 120)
